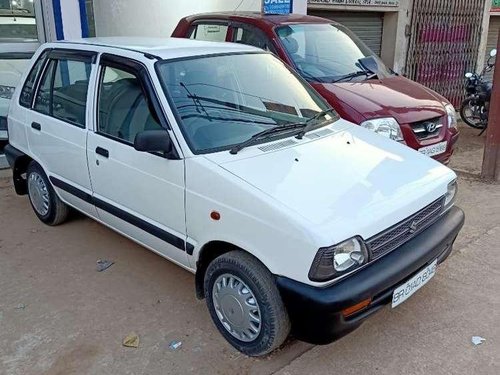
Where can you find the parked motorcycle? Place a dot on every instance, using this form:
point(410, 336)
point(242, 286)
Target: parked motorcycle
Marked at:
point(475, 107)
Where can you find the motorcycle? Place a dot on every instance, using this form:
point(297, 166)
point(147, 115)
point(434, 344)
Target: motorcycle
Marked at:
point(475, 108)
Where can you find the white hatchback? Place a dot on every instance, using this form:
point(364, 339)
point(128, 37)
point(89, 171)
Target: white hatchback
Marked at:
point(221, 159)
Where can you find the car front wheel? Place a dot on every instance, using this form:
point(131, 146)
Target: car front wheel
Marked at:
point(44, 200)
point(245, 304)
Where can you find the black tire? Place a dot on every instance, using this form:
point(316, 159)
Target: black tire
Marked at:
point(466, 104)
point(57, 211)
point(275, 324)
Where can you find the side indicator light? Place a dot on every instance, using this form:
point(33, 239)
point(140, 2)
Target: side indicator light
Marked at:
point(355, 308)
point(214, 215)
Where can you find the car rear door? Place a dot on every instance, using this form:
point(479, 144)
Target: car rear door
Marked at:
point(56, 121)
point(140, 194)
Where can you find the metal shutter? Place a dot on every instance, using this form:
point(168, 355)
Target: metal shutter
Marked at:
point(492, 41)
point(367, 26)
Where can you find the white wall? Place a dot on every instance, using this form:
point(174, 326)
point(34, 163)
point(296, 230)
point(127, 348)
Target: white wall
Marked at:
point(156, 17)
point(159, 17)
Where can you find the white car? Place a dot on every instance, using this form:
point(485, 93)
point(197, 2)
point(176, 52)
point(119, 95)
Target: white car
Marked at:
point(221, 159)
point(18, 41)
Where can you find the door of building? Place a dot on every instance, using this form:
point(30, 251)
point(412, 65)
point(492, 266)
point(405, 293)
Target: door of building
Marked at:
point(444, 44)
point(368, 26)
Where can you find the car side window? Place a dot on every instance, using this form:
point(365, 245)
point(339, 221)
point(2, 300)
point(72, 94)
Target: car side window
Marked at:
point(209, 32)
point(43, 97)
point(253, 37)
point(63, 91)
point(122, 105)
point(28, 89)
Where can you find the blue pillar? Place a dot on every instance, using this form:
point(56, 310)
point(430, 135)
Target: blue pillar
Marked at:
point(70, 19)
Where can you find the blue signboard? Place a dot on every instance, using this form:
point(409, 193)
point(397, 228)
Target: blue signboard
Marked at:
point(277, 6)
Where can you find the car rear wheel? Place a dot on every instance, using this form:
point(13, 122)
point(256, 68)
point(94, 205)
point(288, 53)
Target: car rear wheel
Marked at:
point(245, 304)
point(44, 200)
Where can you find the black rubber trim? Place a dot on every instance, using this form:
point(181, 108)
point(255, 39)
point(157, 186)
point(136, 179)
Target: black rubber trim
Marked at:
point(125, 216)
point(72, 190)
point(12, 154)
point(73, 54)
point(189, 248)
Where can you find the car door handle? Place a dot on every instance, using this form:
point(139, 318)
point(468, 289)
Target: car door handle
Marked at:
point(102, 151)
point(36, 126)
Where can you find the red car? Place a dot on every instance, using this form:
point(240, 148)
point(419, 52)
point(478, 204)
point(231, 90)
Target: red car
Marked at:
point(344, 71)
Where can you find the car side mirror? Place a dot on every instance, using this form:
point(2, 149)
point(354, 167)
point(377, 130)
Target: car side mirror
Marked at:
point(493, 52)
point(155, 141)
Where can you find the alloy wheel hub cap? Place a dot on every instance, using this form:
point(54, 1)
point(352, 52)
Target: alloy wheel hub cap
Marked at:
point(39, 194)
point(236, 307)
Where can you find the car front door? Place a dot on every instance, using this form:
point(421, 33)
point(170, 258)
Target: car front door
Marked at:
point(140, 194)
point(56, 121)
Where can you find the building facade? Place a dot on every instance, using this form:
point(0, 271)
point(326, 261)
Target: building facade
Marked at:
point(493, 31)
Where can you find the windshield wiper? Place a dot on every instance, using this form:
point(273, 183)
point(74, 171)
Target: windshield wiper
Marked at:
point(351, 76)
point(196, 101)
point(310, 123)
point(264, 134)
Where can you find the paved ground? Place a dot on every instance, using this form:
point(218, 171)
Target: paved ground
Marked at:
point(59, 316)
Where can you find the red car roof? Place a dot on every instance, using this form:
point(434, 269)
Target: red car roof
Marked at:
point(270, 19)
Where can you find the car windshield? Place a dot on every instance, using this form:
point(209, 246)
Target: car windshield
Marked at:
point(327, 52)
point(226, 99)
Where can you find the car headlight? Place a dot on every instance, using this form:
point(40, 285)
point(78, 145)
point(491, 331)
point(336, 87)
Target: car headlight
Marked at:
point(387, 127)
point(449, 199)
point(338, 260)
point(6, 92)
point(452, 116)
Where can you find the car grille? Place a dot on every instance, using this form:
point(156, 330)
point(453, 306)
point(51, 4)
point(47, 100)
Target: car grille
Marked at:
point(428, 128)
point(402, 232)
point(3, 123)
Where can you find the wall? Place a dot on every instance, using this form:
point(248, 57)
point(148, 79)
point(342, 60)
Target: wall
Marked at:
point(158, 17)
point(484, 37)
point(395, 44)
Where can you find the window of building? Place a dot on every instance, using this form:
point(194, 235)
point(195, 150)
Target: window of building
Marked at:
point(17, 21)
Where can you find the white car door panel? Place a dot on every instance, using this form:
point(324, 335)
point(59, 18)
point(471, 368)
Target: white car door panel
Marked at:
point(56, 129)
point(140, 194)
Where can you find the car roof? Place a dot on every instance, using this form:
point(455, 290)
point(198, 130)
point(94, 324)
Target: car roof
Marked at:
point(163, 48)
point(269, 19)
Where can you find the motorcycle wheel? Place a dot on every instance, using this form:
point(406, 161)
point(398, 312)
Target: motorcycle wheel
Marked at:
point(473, 113)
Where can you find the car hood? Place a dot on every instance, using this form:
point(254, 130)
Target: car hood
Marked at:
point(398, 97)
point(351, 182)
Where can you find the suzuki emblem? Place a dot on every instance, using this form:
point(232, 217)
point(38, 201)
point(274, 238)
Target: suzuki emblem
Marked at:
point(413, 227)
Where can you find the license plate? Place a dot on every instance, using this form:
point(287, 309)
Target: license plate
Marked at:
point(434, 150)
point(405, 291)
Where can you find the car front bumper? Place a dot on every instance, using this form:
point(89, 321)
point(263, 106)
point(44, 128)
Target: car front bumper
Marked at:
point(316, 313)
